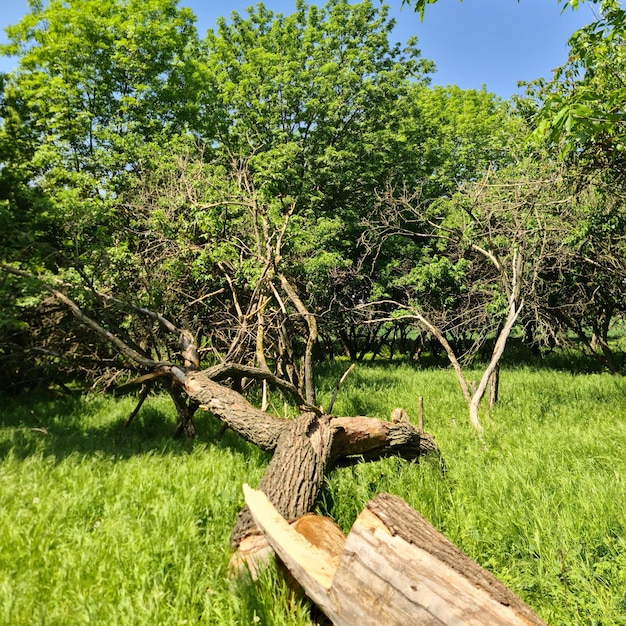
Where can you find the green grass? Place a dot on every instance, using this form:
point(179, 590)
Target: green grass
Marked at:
point(102, 524)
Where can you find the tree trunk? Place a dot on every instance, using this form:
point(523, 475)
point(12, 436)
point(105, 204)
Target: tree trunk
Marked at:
point(494, 386)
point(494, 363)
point(295, 475)
point(304, 448)
point(185, 407)
point(395, 569)
point(235, 411)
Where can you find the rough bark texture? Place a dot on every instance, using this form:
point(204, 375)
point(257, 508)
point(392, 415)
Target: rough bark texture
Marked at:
point(295, 475)
point(235, 411)
point(369, 437)
point(494, 386)
point(395, 569)
point(304, 447)
point(407, 523)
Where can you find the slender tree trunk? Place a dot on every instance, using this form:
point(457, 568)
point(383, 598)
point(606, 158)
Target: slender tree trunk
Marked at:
point(443, 342)
point(606, 358)
point(498, 351)
point(600, 338)
point(494, 386)
point(145, 390)
point(309, 379)
point(349, 347)
point(185, 407)
point(285, 365)
point(260, 334)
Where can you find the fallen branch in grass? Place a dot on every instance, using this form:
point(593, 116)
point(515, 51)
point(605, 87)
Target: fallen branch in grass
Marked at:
point(304, 448)
point(394, 568)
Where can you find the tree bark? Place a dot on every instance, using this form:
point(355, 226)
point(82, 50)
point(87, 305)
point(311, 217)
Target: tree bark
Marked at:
point(406, 523)
point(494, 386)
point(395, 569)
point(498, 351)
point(235, 411)
point(295, 475)
point(185, 407)
point(367, 436)
point(304, 448)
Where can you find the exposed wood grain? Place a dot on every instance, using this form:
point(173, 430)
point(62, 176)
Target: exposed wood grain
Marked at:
point(307, 564)
point(382, 579)
point(392, 573)
point(407, 523)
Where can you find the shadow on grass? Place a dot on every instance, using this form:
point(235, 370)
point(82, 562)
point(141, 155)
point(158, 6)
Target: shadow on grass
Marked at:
point(572, 361)
point(515, 355)
point(60, 427)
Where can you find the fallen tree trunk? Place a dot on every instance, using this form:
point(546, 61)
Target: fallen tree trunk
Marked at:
point(395, 569)
point(295, 475)
point(304, 448)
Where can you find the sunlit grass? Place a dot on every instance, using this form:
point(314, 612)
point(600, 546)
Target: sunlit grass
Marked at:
point(102, 524)
point(541, 503)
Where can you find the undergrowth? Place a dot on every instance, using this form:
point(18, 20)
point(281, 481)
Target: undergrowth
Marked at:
point(103, 524)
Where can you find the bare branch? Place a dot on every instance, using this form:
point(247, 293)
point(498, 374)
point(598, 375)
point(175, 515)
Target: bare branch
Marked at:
point(124, 348)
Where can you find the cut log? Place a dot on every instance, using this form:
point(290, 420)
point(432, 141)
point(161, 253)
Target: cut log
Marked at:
point(309, 565)
point(373, 438)
point(254, 551)
point(395, 569)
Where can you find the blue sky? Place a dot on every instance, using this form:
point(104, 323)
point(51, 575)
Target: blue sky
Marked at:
point(494, 43)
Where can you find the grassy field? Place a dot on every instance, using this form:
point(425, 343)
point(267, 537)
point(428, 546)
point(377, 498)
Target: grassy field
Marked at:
point(102, 524)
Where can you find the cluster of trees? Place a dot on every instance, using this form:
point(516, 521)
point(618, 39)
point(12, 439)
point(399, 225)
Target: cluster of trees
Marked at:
point(289, 188)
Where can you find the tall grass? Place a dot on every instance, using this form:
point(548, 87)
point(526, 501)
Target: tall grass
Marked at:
point(102, 524)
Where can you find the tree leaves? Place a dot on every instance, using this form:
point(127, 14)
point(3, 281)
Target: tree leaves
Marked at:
point(581, 109)
point(142, 161)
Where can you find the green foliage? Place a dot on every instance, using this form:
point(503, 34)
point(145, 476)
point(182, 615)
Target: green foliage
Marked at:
point(430, 281)
point(420, 5)
point(470, 131)
point(310, 103)
point(96, 81)
point(158, 168)
point(580, 109)
point(116, 65)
